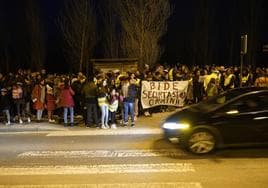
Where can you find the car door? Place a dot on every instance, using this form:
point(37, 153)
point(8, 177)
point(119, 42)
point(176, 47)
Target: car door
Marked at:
point(237, 121)
point(261, 116)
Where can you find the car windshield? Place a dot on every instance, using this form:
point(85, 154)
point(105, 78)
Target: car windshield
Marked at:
point(215, 101)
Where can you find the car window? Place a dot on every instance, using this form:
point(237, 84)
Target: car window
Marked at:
point(215, 101)
point(263, 101)
point(250, 103)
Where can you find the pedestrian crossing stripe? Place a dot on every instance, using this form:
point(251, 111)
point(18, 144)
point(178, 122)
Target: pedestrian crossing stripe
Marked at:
point(101, 132)
point(104, 153)
point(98, 169)
point(117, 185)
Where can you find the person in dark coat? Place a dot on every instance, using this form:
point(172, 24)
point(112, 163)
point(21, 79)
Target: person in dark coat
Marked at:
point(197, 87)
point(76, 86)
point(129, 101)
point(5, 104)
point(27, 92)
point(89, 95)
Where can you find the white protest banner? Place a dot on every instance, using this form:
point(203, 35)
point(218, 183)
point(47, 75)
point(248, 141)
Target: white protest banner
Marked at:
point(154, 93)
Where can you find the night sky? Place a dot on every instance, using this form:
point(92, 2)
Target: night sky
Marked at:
point(216, 23)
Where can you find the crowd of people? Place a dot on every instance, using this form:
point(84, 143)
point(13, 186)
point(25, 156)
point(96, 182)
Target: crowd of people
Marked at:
point(106, 98)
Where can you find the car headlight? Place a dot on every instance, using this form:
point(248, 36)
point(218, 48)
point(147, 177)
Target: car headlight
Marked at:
point(176, 125)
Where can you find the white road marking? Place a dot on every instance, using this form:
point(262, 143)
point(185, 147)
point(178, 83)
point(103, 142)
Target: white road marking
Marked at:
point(104, 153)
point(24, 132)
point(98, 169)
point(120, 185)
point(121, 131)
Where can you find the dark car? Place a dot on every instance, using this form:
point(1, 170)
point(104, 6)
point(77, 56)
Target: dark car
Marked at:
point(236, 117)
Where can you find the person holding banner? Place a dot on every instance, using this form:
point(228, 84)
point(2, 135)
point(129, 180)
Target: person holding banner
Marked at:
point(147, 112)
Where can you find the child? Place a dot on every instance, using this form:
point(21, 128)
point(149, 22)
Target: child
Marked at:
point(113, 106)
point(5, 104)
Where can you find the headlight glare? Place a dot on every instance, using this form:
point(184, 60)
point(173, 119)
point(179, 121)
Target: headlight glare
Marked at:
point(176, 126)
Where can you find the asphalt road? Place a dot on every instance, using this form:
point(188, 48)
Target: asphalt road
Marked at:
point(133, 160)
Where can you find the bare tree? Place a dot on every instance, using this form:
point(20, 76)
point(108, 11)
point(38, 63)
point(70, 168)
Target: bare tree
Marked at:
point(78, 24)
point(110, 30)
point(3, 43)
point(36, 52)
point(144, 22)
point(204, 33)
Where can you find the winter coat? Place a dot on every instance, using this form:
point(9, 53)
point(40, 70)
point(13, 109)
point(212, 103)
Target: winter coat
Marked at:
point(5, 102)
point(18, 95)
point(66, 97)
point(132, 94)
point(89, 92)
point(102, 96)
point(38, 97)
point(50, 102)
point(27, 93)
point(261, 81)
point(197, 88)
point(113, 103)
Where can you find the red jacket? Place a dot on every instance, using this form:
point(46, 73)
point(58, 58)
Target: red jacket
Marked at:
point(51, 102)
point(66, 97)
point(38, 101)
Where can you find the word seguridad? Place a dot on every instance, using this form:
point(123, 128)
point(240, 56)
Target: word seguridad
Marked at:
point(156, 93)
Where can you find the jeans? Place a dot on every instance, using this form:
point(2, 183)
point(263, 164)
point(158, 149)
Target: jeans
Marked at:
point(20, 109)
point(113, 117)
point(128, 107)
point(28, 109)
point(65, 114)
point(104, 114)
point(39, 114)
point(7, 115)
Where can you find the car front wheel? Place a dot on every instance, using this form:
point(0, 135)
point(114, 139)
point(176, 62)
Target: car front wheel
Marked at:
point(201, 142)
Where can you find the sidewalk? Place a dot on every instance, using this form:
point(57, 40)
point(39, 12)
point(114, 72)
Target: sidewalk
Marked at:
point(143, 125)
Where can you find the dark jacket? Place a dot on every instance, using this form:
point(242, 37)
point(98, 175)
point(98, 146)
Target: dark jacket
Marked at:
point(5, 102)
point(132, 93)
point(89, 92)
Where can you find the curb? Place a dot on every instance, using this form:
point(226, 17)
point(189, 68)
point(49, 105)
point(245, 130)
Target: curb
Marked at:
point(144, 125)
